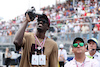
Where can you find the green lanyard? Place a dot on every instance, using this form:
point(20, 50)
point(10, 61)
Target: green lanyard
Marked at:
point(91, 57)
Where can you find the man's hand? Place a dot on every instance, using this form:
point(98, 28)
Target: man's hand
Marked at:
point(27, 18)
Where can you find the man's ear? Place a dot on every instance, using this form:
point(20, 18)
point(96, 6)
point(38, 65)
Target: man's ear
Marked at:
point(85, 49)
point(72, 50)
point(48, 28)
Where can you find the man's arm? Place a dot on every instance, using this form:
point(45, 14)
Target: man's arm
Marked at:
point(19, 35)
point(65, 55)
point(54, 57)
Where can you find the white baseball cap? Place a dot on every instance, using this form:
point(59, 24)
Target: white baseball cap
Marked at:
point(61, 46)
point(94, 40)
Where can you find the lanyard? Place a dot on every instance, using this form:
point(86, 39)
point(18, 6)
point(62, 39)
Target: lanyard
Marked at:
point(81, 65)
point(40, 44)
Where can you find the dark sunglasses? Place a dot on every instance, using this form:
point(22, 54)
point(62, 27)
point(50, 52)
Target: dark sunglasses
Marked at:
point(43, 20)
point(76, 44)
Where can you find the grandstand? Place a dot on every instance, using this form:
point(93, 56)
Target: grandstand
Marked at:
point(68, 20)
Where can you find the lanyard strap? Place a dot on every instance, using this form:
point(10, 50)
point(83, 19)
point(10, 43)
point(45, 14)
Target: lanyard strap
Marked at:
point(40, 44)
point(81, 65)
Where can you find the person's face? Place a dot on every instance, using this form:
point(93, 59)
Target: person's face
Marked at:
point(78, 49)
point(92, 45)
point(7, 49)
point(42, 26)
point(61, 48)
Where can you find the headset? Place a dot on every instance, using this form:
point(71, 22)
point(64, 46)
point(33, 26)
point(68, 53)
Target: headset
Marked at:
point(93, 49)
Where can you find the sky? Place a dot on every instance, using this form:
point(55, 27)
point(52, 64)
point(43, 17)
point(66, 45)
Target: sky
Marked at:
point(12, 8)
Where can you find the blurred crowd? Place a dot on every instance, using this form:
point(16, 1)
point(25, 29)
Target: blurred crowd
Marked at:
point(65, 17)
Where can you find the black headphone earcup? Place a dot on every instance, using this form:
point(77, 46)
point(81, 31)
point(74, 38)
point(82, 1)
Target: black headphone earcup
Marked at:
point(97, 46)
point(87, 47)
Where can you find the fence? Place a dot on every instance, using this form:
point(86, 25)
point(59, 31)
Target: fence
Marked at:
point(65, 37)
point(56, 36)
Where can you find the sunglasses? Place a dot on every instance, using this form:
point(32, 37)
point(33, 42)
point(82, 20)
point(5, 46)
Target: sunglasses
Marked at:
point(43, 20)
point(76, 44)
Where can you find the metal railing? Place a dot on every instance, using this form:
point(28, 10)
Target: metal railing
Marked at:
point(58, 37)
point(65, 38)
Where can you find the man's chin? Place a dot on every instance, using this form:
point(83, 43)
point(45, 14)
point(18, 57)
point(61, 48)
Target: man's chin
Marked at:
point(39, 29)
point(79, 52)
